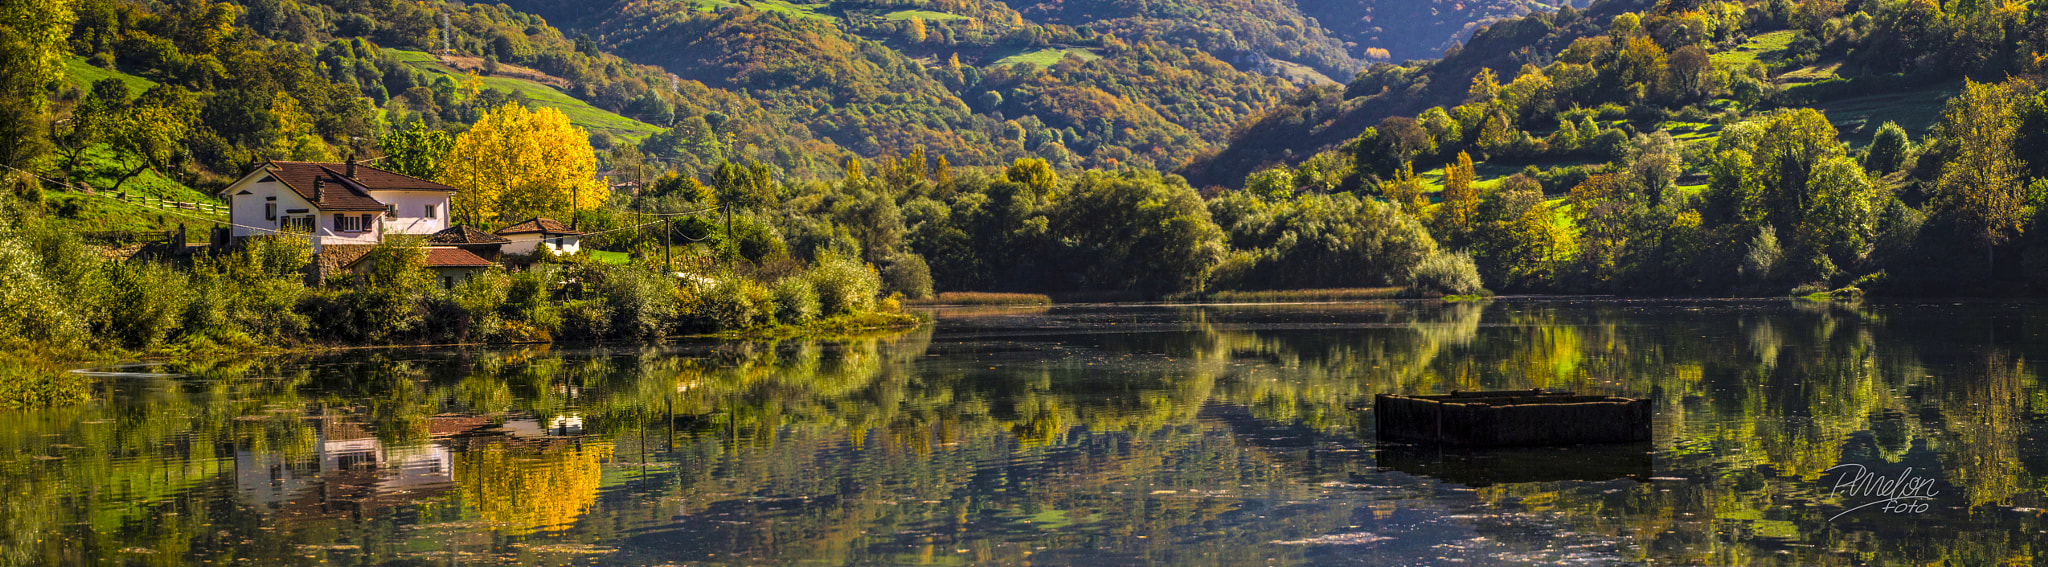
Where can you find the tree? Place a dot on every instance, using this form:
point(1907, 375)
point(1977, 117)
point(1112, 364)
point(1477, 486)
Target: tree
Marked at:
point(1791, 145)
point(1888, 149)
point(1406, 190)
point(150, 135)
point(1034, 173)
point(95, 120)
point(416, 151)
point(292, 134)
point(516, 163)
point(1981, 188)
point(33, 37)
point(1460, 202)
point(916, 31)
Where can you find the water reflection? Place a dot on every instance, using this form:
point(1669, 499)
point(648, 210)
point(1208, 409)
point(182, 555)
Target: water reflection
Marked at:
point(1067, 435)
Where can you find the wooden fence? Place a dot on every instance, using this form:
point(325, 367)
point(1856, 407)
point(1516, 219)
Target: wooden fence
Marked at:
point(154, 202)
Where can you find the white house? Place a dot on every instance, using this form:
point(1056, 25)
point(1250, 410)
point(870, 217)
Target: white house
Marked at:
point(533, 233)
point(334, 203)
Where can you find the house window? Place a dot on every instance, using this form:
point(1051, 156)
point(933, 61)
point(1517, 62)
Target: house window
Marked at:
point(390, 211)
point(347, 223)
point(300, 225)
point(270, 211)
point(430, 212)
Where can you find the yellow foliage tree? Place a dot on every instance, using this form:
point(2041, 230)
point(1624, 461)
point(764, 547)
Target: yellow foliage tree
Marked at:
point(295, 138)
point(517, 163)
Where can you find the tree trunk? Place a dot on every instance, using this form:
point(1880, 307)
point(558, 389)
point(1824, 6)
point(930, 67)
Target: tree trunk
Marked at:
point(130, 175)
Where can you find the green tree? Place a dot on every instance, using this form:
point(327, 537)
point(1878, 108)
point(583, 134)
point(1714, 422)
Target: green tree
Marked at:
point(416, 150)
point(96, 119)
point(1888, 149)
point(32, 47)
point(150, 136)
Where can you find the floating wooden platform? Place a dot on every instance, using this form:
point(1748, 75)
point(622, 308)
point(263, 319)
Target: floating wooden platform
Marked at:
point(1518, 418)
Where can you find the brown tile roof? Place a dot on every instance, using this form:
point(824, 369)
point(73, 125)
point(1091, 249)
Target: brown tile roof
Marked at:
point(333, 257)
point(440, 257)
point(341, 192)
point(540, 225)
point(463, 234)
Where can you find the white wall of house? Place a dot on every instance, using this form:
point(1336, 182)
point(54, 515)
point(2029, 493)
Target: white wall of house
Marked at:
point(369, 233)
point(250, 210)
point(410, 208)
point(526, 243)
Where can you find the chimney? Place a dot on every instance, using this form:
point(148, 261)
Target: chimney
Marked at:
point(319, 190)
point(351, 165)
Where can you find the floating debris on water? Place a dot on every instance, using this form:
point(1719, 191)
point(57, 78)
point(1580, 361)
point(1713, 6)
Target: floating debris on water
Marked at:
point(1358, 538)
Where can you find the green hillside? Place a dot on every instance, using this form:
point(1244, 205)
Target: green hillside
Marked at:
point(580, 113)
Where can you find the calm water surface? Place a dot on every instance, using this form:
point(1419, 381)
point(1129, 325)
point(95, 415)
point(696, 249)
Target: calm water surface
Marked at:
point(1085, 435)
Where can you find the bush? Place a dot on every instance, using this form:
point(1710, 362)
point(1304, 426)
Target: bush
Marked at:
point(844, 284)
point(737, 303)
point(477, 308)
point(587, 319)
point(796, 301)
point(527, 303)
point(1446, 273)
point(907, 274)
point(643, 303)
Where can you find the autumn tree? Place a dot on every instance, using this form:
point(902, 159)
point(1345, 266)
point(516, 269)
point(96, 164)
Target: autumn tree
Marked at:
point(1036, 174)
point(1981, 187)
point(1406, 190)
point(1454, 217)
point(516, 163)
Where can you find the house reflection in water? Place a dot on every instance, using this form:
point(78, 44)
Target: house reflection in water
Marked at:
point(351, 473)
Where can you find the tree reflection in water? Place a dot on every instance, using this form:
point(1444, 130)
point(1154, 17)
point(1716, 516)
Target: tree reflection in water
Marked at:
point(1064, 435)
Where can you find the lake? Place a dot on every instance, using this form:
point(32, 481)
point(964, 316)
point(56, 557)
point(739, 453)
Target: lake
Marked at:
point(1074, 435)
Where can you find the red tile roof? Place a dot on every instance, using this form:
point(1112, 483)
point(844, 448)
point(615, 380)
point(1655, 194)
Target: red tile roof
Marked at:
point(343, 193)
point(540, 225)
point(439, 257)
point(462, 234)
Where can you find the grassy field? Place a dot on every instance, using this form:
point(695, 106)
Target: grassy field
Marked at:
point(83, 74)
point(1755, 49)
point(926, 15)
point(1047, 57)
point(582, 114)
point(1303, 74)
point(613, 258)
point(1917, 111)
point(779, 6)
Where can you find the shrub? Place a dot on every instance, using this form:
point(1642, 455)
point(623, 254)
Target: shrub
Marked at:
point(1447, 273)
point(587, 319)
point(527, 302)
point(480, 302)
point(796, 301)
point(643, 303)
point(150, 301)
point(844, 284)
point(737, 303)
point(907, 274)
